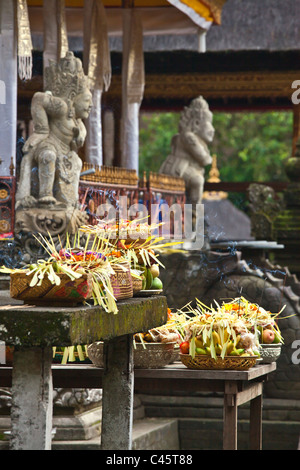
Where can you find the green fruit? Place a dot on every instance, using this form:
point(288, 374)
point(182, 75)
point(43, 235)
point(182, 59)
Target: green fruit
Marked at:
point(237, 352)
point(200, 351)
point(277, 338)
point(149, 279)
point(156, 284)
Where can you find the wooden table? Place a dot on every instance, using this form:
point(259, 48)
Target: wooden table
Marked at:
point(238, 387)
point(33, 331)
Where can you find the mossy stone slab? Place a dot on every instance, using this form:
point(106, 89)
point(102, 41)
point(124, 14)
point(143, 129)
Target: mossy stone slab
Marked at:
point(31, 326)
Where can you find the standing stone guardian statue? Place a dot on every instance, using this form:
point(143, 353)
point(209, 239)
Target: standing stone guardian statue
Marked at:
point(47, 193)
point(190, 153)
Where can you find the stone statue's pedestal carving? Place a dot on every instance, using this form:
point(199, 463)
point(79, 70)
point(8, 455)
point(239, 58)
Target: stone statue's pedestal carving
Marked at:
point(56, 220)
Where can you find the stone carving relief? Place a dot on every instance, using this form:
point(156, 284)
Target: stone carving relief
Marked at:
point(264, 207)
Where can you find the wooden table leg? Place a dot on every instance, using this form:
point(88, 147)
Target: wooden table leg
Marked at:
point(230, 417)
point(256, 423)
point(117, 399)
point(32, 400)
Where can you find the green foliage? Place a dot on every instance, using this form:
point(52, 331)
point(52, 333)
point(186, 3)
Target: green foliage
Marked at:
point(156, 132)
point(252, 146)
point(249, 146)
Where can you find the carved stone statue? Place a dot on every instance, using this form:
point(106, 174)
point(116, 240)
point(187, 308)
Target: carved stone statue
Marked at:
point(190, 153)
point(47, 194)
point(264, 207)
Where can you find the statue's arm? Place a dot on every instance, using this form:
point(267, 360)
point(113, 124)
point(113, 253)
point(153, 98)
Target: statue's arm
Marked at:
point(39, 113)
point(196, 148)
point(80, 133)
point(43, 107)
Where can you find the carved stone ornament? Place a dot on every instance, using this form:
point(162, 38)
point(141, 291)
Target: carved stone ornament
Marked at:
point(47, 194)
point(264, 208)
point(190, 153)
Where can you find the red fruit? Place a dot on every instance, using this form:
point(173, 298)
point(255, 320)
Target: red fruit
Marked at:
point(184, 347)
point(268, 336)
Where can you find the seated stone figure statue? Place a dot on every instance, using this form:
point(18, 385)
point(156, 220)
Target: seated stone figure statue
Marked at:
point(50, 153)
point(190, 153)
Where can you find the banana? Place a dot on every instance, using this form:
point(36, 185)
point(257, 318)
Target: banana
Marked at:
point(199, 342)
point(216, 338)
point(230, 347)
point(226, 335)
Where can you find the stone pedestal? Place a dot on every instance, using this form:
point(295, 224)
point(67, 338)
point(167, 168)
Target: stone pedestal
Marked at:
point(56, 221)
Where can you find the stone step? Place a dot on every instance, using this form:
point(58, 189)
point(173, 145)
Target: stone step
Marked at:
point(147, 434)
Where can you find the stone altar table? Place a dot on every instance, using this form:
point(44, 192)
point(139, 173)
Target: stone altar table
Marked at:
point(33, 331)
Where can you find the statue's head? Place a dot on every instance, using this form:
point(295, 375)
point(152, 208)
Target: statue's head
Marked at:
point(197, 118)
point(66, 79)
point(82, 104)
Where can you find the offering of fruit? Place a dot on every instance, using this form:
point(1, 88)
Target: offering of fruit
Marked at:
point(154, 270)
point(74, 261)
point(216, 332)
point(184, 347)
point(167, 333)
point(137, 242)
point(268, 336)
point(259, 321)
point(235, 328)
point(156, 284)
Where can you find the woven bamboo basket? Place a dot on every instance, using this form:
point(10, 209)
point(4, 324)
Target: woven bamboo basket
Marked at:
point(121, 281)
point(208, 362)
point(137, 285)
point(152, 356)
point(67, 293)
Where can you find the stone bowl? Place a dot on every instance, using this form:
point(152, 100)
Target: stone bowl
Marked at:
point(153, 356)
point(269, 353)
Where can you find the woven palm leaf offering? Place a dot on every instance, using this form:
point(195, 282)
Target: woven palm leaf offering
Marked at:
point(69, 276)
point(135, 242)
point(259, 321)
point(216, 338)
point(263, 324)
